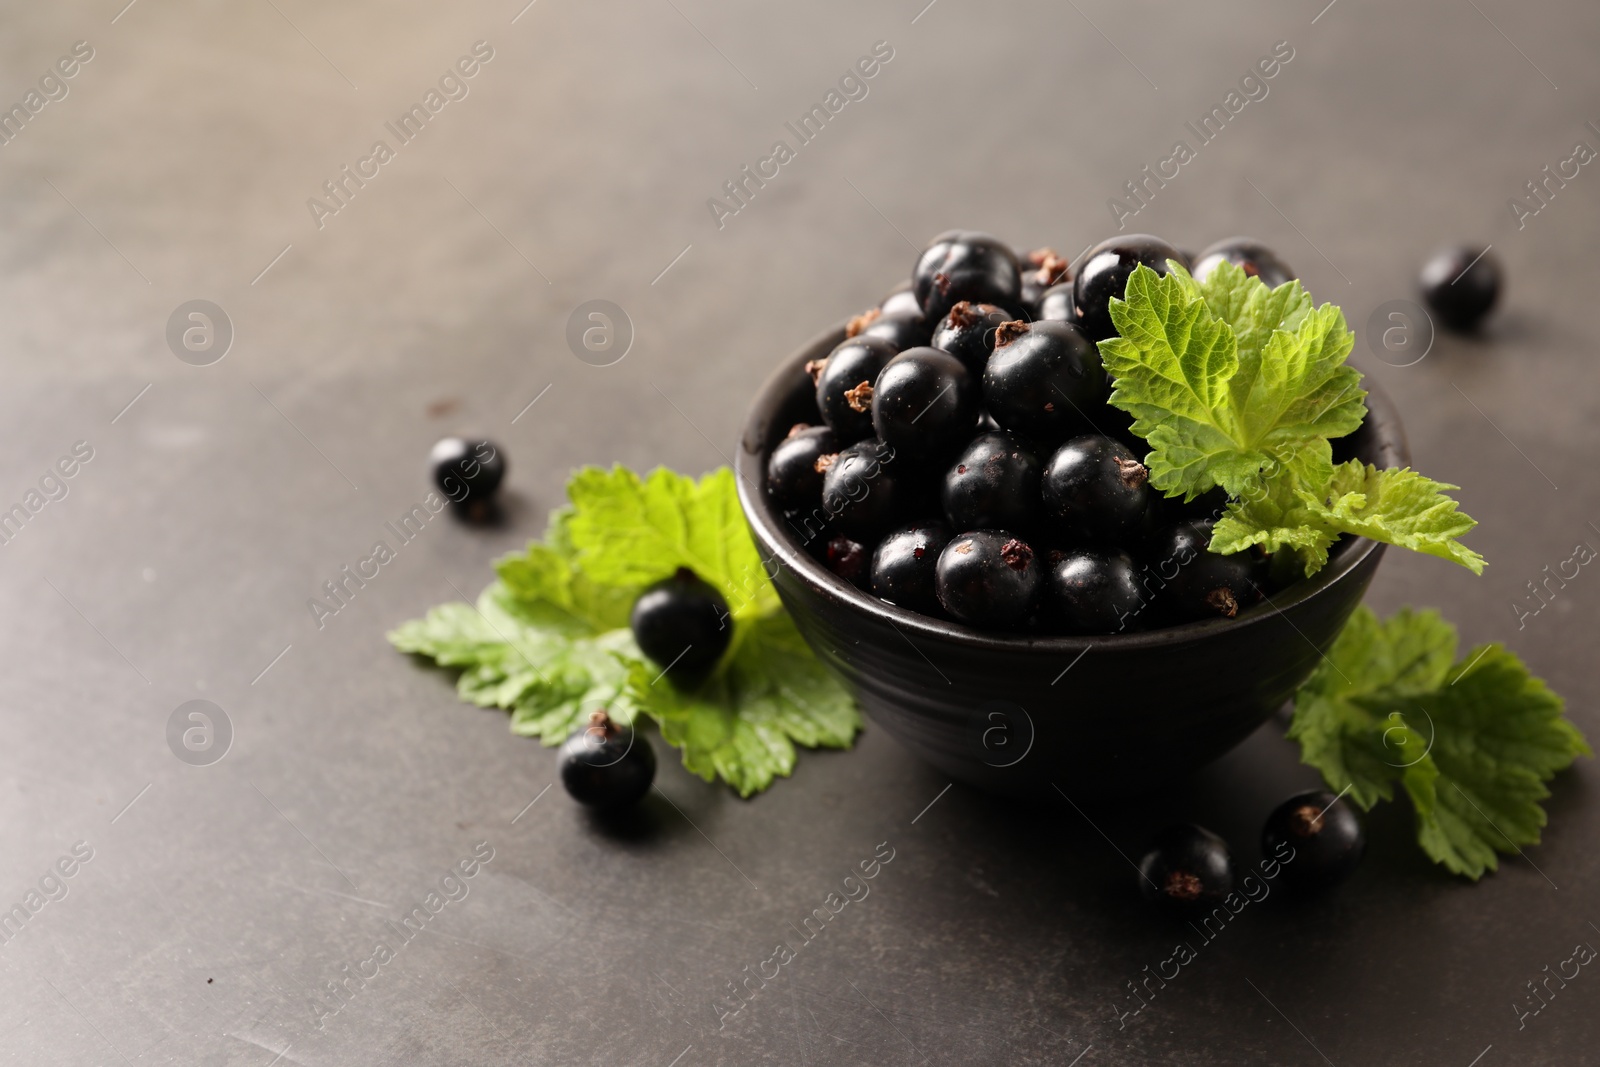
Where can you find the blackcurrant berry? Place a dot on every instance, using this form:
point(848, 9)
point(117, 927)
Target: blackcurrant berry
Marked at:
point(1096, 491)
point(1201, 584)
point(902, 329)
point(606, 765)
point(1041, 269)
point(1095, 591)
point(850, 560)
point(904, 566)
point(862, 492)
point(902, 299)
point(1043, 380)
point(1326, 837)
point(467, 471)
point(1056, 303)
point(963, 265)
point(993, 485)
point(1460, 285)
point(968, 333)
point(1255, 258)
point(1188, 869)
point(988, 578)
point(844, 386)
point(682, 623)
point(796, 466)
point(924, 404)
point(1105, 273)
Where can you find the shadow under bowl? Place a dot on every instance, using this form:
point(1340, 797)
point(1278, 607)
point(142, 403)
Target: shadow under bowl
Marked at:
point(1028, 715)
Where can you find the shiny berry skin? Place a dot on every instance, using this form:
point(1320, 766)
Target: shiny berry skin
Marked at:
point(862, 492)
point(968, 333)
point(903, 329)
point(1458, 291)
point(682, 623)
point(1097, 492)
point(988, 578)
point(1094, 591)
point(1187, 869)
point(606, 765)
point(1041, 269)
point(1042, 380)
point(1326, 838)
point(1206, 585)
point(964, 265)
point(1105, 273)
point(993, 485)
point(902, 299)
point(844, 388)
point(1255, 258)
point(904, 565)
point(467, 471)
point(924, 404)
point(1056, 303)
point(850, 560)
point(796, 466)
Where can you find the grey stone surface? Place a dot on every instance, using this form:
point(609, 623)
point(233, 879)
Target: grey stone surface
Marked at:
point(219, 898)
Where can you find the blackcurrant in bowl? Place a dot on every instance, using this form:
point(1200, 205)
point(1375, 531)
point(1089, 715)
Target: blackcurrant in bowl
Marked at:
point(1136, 708)
point(968, 333)
point(1042, 380)
point(1105, 273)
point(845, 384)
point(794, 473)
point(1248, 254)
point(864, 490)
point(993, 484)
point(988, 578)
point(924, 404)
point(1097, 492)
point(904, 563)
point(965, 265)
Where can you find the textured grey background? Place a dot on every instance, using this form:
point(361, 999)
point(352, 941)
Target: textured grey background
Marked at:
point(578, 167)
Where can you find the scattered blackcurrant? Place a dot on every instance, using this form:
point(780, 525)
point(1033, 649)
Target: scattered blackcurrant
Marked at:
point(1325, 835)
point(924, 404)
point(683, 624)
point(968, 333)
point(1094, 591)
point(904, 566)
point(993, 485)
point(797, 464)
point(1187, 869)
point(1255, 258)
point(467, 471)
point(1460, 285)
point(1042, 381)
point(988, 578)
point(1105, 274)
point(606, 765)
point(963, 265)
point(1097, 491)
point(844, 386)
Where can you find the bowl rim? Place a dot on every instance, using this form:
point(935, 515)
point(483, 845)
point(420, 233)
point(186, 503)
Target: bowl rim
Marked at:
point(775, 545)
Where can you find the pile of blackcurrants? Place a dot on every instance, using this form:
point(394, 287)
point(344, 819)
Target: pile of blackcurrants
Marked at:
point(969, 466)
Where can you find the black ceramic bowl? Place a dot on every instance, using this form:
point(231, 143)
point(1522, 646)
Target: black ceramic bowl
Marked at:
point(1025, 715)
